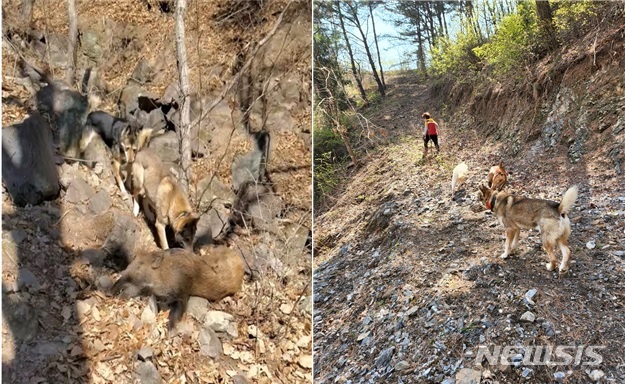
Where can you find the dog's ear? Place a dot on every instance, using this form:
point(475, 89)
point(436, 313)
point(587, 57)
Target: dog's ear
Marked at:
point(501, 164)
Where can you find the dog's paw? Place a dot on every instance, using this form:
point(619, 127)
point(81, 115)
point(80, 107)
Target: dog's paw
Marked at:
point(504, 255)
point(550, 266)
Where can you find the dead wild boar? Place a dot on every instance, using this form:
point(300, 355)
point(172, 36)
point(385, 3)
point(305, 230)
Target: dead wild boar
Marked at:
point(173, 275)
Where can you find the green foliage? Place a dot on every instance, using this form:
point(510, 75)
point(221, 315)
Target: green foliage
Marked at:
point(511, 45)
point(455, 57)
point(326, 176)
point(327, 141)
point(575, 18)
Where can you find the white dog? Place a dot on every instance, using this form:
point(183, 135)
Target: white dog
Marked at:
point(460, 176)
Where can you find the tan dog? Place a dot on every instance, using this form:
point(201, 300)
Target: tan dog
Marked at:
point(174, 275)
point(153, 181)
point(461, 173)
point(551, 218)
point(497, 177)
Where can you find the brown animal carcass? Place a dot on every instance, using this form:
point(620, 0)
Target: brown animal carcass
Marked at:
point(173, 275)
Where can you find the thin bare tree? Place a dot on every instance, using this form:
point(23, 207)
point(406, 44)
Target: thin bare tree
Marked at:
point(184, 128)
point(357, 77)
point(377, 47)
point(73, 38)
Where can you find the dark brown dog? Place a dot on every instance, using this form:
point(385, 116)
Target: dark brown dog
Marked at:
point(175, 274)
point(497, 177)
point(551, 218)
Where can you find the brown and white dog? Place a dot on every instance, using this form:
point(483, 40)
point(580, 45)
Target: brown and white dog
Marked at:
point(549, 217)
point(497, 177)
point(160, 190)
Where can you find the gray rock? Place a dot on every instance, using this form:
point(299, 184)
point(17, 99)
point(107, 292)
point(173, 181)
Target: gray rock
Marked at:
point(305, 305)
point(402, 365)
point(559, 376)
point(527, 373)
point(28, 163)
point(104, 283)
point(147, 373)
point(213, 191)
point(264, 212)
point(529, 296)
point(79, 191)
point(197, 307)
point(20, 316)
point(596, 375)
point(210, 225)
point(148, 316)
point(468, 376)
point(166, 146)
point(95, 257)
point(17, 235)
point(296, 236)
point(218, 321)
point(26, 278)
point(528, 316)
point(412, 311)
point(145, 353)
point(210, 345)
point(384, 358)
point(49, 349)
point(240, 379)
point(121, 240)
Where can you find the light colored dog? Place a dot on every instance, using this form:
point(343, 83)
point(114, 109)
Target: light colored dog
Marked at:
point(160, 190)
point(497, 177)
point(551, 218)
point(461, 172)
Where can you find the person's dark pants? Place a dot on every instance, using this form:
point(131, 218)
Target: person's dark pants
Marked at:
point(434, 139)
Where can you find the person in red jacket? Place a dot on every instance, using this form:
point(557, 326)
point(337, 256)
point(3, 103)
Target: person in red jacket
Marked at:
point(430, 132)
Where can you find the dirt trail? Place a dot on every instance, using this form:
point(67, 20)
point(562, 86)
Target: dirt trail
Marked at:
point(408, 283)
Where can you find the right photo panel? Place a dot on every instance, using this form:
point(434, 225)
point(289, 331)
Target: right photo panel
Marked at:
point(469, 204)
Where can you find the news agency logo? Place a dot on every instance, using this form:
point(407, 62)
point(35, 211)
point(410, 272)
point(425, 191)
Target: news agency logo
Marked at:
point(537, 355)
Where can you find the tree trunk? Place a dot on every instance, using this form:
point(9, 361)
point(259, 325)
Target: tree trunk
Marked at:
point(376, 77)
point(184, 128)
point(342, 131)
point(440, 10)
point(351, 54)
point(543, 9)
point(27, 11)
point(420, 52)
point(377, 48)
point(73, 37)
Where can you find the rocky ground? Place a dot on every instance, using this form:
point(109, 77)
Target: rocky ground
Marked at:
point(60, 256)
point(408, 283)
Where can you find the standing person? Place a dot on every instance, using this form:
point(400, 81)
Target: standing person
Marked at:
point(430, 132)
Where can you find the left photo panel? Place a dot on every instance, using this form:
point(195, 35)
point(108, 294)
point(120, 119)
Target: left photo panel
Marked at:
point(157, 191)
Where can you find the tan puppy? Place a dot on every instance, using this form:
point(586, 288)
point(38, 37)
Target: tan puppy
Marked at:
point(551, 218)
point(174, 275)
point(497, 177)
point(461, 173)
point(160, 190)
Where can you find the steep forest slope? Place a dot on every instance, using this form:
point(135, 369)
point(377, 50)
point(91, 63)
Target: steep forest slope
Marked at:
point(62, 253)
point(407, 281)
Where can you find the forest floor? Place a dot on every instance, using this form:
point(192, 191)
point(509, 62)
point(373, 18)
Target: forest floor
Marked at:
point(408, 283)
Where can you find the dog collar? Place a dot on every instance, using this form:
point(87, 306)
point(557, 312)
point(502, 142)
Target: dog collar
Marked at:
point(490, 204)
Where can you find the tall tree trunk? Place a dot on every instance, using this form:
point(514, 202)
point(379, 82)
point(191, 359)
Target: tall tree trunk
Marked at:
point(377, 47)
point(545, 16)
point(184, 128)
point(73, 37)
point(420, 52)
point(351, 54)
point(440, 9)
point(376, 77)
point(27, 11)
point(445, 22)
point(430, 16)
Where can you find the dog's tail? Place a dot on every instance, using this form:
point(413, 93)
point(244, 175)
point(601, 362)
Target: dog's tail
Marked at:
point(568, 200)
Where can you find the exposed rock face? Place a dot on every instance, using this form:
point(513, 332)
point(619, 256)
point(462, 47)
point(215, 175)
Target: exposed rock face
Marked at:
point(28, 163)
